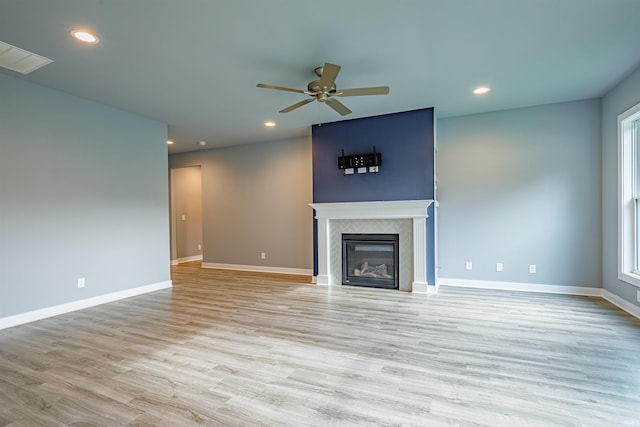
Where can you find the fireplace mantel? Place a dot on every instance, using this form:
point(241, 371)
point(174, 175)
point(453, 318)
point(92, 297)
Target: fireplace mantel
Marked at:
point(397, 209)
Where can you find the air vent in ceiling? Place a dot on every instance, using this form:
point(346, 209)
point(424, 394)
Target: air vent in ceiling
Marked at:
point(20, 60)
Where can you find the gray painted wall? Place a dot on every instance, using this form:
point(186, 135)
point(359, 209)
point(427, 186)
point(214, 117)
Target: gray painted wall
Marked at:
point(522, 187)
point(255, 199)
point(83, 193)
point(186, 196)
point(624, 96)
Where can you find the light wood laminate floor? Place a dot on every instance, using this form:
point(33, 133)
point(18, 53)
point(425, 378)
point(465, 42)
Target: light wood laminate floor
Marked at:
point(228, 349)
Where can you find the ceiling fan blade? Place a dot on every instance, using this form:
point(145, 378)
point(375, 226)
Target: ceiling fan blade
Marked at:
point(288, 89)
point(378, 90)
point(296, 105)
point(329, 75)
point(338, 106)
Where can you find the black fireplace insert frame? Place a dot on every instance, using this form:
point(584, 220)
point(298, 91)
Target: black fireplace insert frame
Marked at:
point(371, 282)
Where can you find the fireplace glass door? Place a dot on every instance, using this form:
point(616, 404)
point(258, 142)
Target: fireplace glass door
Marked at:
point(370, 260)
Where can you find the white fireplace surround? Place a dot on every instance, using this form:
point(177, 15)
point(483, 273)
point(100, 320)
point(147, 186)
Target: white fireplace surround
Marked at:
point(415, 210)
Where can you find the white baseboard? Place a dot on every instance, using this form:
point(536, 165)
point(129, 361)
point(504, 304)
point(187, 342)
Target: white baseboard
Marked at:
point(621, 303)
point(43, 313)
point(421, 288)
point(258, 268)
point(625, 305)
point(187, 259)
point(322, 280)
point(524, 287)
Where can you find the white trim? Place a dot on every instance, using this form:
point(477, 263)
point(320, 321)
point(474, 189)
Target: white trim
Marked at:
point(627, 169)
point(259, 268)
point(189, 259)
point(422, 288)
point(174, 262)
point(43, 313)
point(323, 279)
point(630, 278)
point(324, 254)
point(621, 303)
point(419, 256)
point(372, 210)
point(524, 287)
point(173, 226)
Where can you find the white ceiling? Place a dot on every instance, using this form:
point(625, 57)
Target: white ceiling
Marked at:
point(194, 64)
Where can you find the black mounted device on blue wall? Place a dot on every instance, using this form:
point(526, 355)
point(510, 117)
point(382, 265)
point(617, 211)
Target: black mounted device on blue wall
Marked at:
point(360, 160)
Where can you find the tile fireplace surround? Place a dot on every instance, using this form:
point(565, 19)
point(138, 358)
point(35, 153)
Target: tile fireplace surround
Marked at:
point(404, 217)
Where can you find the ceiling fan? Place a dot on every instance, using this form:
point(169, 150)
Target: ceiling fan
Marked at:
point(324, 90)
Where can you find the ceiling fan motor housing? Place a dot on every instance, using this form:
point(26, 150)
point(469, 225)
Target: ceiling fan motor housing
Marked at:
point(316, 87)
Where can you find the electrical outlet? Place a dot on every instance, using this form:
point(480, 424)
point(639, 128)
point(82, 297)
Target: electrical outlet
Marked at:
point(533, 269)
point(81, 282)
point(263, 255)
point(638, 296)
point(199, 247)
point(183, 217)
point(468, 265)
point(499, 266)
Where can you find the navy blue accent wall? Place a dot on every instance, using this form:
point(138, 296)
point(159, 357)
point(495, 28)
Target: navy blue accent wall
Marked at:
point(406, 141)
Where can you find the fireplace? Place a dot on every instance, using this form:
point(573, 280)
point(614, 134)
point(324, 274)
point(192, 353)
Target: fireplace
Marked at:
point(407, 218)
point(370, 260)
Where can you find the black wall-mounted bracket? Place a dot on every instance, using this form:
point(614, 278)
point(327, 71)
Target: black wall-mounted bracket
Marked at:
point(361, 162)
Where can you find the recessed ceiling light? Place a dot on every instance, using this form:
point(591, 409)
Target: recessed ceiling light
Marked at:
point(84, 36)
point(169, 142)
point(269, 123)
point(481, 90)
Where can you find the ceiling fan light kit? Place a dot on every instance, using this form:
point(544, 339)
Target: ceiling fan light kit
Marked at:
point(324, 90)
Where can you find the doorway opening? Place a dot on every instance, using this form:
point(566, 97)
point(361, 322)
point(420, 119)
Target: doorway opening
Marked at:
point(186, 214)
